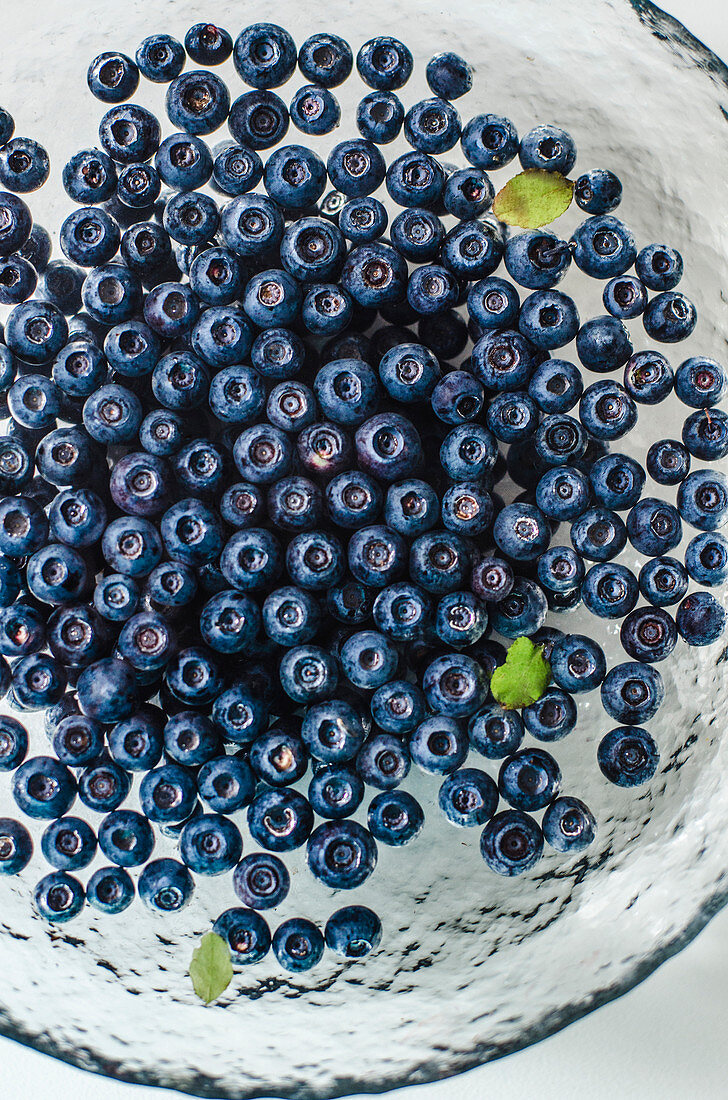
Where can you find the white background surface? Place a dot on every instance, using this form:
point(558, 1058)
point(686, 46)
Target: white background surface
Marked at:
point(665, 1040)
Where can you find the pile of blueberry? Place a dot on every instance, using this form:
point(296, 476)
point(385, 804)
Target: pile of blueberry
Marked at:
point(257, 529)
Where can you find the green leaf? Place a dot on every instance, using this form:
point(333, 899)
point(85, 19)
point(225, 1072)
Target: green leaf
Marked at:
point(533, 198)
point(523, 678)
point(211, 969)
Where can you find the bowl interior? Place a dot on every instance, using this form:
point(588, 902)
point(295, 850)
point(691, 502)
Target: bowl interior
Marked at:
point(471, 966)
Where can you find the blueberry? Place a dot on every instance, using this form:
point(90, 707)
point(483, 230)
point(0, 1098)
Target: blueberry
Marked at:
point(610, 591)
point(454, 685)
point(210, 844)
point(353, 931)
point(315, 560)
point(383, 761)
point(460, 619)
point(625, 297)
point(448, 75)
point(24, 165)
point(15, 228)
point(663, 581)
point(197, 102)
point(165, 886)
point(511, 843)
point(607, 411)
point(654, 526)
point(659, 266)
point(38, 681)
point(226, 783)
point(258, 119)
point(191, 532)
point(415, 179)
point(239, 714)
point(126, 838)
point(552, 717)
point(495, 732)
point(236, 169)
point(314, 110)
point(628, 756)
point(350, 602)
point(521, 531)
point(379, 117)
point(13, 743)
point(135, 743)
point(261, 881)
point(504, 360)
point(395, 818)
point(700, 382)
point(388, 446)
point(191, 739)
point(563, 493)
point(279, 757)
point(489, 141)
point(700, 619)
point(706, 558)
point(207, 44)
point(116, 597)
point(18, 280)
point(193, 676)
point(59, 897)
point(577, 663)
point(668, 462)
point(110, 890)
point(492, 579)
point(43, 787)
point(548, 148)
point(468, 797)
point(598, 191)
point(341, 854)
point(16, 846)
point(617, 481)
point(705, 434)
point(191, 219)
point(335, 791)
point(603, 344)
point(160, 58)
point(298, 945)
point(522, 611)
point(111, 293)
point(374, 274)
point(702, 499)
point(280, 820)
point(669, 317)
point(112, 77)
point(411, 507)
point(107, 691)
point(325, 59)
point(603, 247)
point(35, 331)
point(384, 63)
point(168, 793)
point(568, 825)
point(246, 934)
point(264, 55)
point(537, 259)
point(648, 634)
point(129, 133)
point(368, 659)
point(417, 234)
point(438, 745)
point(648, 377)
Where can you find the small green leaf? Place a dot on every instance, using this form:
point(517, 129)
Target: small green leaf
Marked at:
point(211, 969)
point(523, 678)
point(533, 198)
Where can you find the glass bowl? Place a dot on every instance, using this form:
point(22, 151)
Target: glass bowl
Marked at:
point(471, 966)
